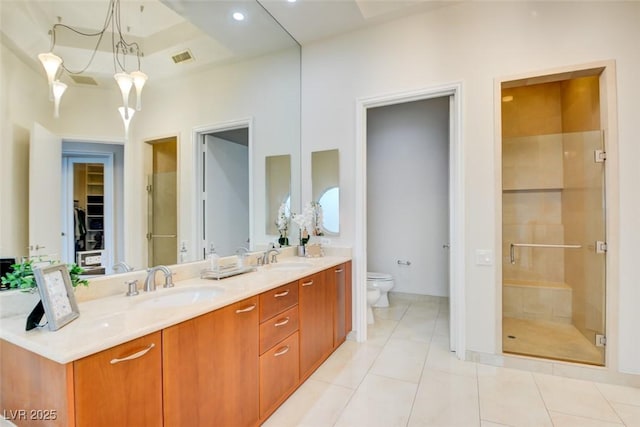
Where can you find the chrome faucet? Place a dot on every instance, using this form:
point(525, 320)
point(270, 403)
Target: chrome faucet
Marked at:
point(125, 267)
point(150, 281)
point(274, 253)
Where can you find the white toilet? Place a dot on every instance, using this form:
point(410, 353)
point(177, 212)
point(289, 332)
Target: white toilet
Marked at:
point(373, 295)
point(383, 282)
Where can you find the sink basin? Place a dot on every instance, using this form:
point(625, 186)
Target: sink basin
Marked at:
point(179, 297)
point(290, 266)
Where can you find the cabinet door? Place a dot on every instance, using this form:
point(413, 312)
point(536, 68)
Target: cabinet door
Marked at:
point(316, 322)
point(121, 386)
point(336, 277)
point(211, 368)
point(279, 374)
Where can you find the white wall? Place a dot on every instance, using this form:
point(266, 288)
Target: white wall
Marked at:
point(17, 82)
point(408, 194)
point(227, 185)
point(475, 43)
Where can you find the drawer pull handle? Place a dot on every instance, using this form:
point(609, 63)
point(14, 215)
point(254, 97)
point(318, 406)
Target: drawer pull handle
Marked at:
point(281, 351)
point(339, 270)
point(246, 309)
point(134, 355)
point(282, 322)
point(282, 294)
point(309, 283)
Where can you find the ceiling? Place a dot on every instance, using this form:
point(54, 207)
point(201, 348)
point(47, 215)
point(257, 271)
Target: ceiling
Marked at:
point(164, 28)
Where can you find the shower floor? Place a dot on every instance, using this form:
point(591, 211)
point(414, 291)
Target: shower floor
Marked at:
point(550, 340)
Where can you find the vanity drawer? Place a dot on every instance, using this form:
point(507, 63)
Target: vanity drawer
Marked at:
point(278, 300)
point(279, 374)
point(277, 328)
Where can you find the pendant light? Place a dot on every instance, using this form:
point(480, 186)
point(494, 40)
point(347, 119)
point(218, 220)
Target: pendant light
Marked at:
point(121, 48)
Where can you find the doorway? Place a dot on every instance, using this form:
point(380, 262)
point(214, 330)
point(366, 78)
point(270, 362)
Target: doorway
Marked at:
point(456, 197)
point(223, 173)
point(554, 218)
point(162, 203)
point(408, 195)
point(93, 174)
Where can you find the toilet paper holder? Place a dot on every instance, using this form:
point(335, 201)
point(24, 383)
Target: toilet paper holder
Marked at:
point(400, 262)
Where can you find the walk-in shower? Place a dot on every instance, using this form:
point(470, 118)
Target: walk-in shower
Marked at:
point(553, 219)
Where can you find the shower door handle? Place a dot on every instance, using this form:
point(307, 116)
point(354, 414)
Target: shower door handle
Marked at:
point(513, 246)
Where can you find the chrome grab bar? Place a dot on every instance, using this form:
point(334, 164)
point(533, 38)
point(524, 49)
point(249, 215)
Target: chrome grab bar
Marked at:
point(512, 248)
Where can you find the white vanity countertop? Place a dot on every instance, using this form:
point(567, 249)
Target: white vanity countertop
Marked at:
point(109, 321)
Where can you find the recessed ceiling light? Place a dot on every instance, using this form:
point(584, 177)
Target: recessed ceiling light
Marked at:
point(292, 1)
point(238, 16)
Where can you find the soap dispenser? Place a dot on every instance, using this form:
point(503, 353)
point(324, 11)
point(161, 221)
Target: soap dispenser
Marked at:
point(214, 259)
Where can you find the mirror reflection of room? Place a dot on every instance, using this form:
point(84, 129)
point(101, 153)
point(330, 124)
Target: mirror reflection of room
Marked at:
point(278, 189)
point(88, 213)
point(325, 177)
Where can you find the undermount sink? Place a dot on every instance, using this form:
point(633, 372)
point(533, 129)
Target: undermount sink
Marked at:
point(290, 266)
point(179, 297)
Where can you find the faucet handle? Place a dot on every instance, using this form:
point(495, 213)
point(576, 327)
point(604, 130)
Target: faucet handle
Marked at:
point(168, 280)
point(133, 287)
point(274, 257)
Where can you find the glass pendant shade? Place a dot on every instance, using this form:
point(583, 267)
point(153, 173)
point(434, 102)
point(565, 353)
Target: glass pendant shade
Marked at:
point(125, 82)
point(139, 79)
point(127, 115)
point(51, 63)
point(58, 88)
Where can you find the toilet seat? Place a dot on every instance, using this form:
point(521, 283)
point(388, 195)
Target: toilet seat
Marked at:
point(379, 277)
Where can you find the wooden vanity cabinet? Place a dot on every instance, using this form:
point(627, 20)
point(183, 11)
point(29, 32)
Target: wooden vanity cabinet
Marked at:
point(120, 386)
point(279, 355)
point(210, 363)
point(230, 367)
point(316, 322)
point(338, 278)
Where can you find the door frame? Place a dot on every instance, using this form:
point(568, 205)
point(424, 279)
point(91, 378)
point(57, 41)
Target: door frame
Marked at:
point(200, 244)
point(69, 158)
point(457, 341)
point(609, 125)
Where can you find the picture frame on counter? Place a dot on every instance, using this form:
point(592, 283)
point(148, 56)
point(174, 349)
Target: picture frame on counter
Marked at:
point(56, 293)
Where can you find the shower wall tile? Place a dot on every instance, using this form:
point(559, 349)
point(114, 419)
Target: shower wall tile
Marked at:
point(537, 301)
point(532, 162)
point(533, 110)
point(533, 264)
point(532, 207)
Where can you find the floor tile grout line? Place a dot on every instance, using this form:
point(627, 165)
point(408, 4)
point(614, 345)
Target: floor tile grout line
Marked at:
point(367, 373)
point(478, 389)
point(544, 402)
point(595, 384)
point(621, 423)
point(424, 364)
point(580, 415)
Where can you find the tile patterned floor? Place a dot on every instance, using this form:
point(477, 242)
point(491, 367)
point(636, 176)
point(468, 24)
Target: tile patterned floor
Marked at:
point(404, 375)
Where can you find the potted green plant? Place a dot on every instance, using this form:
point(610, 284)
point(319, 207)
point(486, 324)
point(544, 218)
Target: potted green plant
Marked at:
point(21, 276)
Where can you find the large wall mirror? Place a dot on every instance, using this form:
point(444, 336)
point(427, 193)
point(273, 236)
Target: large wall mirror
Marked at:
point(325, 183)
point(238, 70)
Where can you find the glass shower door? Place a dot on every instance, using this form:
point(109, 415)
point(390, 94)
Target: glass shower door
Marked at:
point(163, 224)
point(554, 241)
